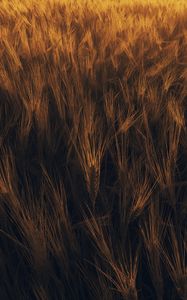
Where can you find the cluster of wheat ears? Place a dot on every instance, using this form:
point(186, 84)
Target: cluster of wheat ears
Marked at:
point(93, 150)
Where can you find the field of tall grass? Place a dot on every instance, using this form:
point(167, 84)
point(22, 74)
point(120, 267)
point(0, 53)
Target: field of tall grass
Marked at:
point(93, 150)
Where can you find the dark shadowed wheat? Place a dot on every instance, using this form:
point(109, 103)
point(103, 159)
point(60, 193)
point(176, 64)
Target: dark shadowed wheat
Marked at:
point(93, 150)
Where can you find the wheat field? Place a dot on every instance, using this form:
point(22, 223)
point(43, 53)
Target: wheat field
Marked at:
point(93, 150)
